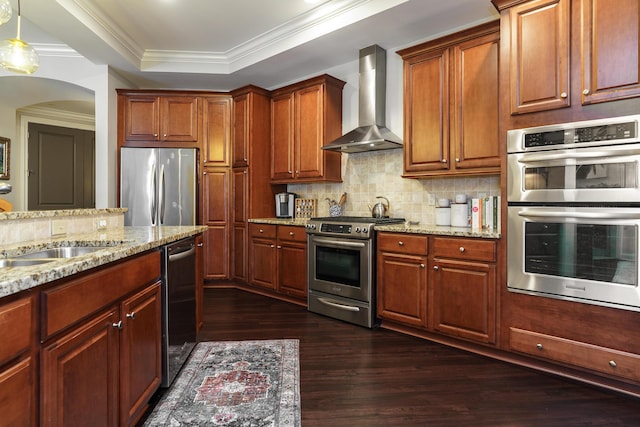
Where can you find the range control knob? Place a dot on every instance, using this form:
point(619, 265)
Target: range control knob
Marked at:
point(357, 229)
point(365, 230)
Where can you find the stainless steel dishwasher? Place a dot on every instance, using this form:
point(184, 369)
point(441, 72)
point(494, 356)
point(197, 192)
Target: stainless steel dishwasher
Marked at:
point(179, 306)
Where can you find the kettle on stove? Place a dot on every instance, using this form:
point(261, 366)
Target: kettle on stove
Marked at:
point(379, 210)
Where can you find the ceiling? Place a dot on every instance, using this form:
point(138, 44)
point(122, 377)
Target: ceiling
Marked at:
point(224, 44)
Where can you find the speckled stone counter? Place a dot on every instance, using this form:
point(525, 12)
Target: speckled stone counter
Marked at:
point(119, 242)
point(281, 221)
point(439, 230)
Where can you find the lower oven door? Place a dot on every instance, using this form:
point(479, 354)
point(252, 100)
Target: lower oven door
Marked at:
point(583, 254)
point(342, 267)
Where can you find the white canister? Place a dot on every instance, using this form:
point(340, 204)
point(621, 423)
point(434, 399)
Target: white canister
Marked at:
point(443, 216)
point(460, 215)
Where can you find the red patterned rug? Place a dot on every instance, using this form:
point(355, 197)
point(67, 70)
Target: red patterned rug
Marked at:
point(234, 383)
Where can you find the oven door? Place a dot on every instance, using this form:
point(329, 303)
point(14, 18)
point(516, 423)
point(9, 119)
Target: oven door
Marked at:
point(340, 266)
point(590, 174)
point(582, 254)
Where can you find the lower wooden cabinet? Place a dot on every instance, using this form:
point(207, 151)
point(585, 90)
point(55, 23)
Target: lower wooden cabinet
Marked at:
point(18, 377)
point(278, 259)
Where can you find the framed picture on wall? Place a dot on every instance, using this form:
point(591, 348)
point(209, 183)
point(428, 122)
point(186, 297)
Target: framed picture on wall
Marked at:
point(4, 157)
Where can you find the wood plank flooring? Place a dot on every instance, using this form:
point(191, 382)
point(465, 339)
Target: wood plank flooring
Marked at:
point(353, 376)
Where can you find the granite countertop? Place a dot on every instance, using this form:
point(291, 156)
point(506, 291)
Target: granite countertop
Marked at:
point(398, 228)
point(120, 242)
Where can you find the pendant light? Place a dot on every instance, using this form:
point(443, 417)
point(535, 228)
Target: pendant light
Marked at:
point(5, 11)
point(18, 56)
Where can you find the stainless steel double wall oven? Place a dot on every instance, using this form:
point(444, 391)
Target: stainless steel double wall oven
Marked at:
point(573, 193)
point(341, 267)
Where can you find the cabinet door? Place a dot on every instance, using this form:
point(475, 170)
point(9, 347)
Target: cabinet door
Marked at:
point(239, 265)
point(426, 108)
point(79, 375)
point(241, 117)
point(179, 118)
point(282, 137)
point(141, 352)
point(142, 118)
point(474, 117)
point(292, 268)
point(539, 68)
point(262, 271)
point(215, 216)
point(217, 132)
point(308, 137)
point(200, 250)
point(17, 394)
point(464, 299)
point(610, 49)
point(402, 288)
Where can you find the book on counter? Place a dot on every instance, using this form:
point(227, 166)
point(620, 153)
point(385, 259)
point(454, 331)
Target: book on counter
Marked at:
point(485, 213)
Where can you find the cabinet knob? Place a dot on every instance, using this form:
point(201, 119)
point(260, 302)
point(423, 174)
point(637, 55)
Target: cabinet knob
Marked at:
point(279, 247)
point(291, 233)
point(261, 230)
point(164, 135)
point(131, 315)
point(272, 246)
point(435, 268)
point(539, 346)
point(245, 159)
point(461, 249)
point(244, 171)
point(200, 245)
point(155, 135)
point(290, 172)
point(444, 160)
point(117, 325)
point(400, 243)
point(563, 95)
point(457, 160)
point(612, 363)
point(586, 92)
point(421, 265)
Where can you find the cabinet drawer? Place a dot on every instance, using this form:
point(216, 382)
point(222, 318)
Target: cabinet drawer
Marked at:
point(265, 231)
point(289, 232)
point(472, 249)
point(70, 302)
point(15, 328)
point(402, 243)
point(593, 357)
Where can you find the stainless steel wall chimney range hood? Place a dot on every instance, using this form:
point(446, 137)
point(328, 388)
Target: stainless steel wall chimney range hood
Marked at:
point(371, 133)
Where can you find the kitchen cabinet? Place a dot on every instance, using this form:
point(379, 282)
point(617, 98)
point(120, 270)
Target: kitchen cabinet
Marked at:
point(402, 278)
point(559, 49)
point(101, 352)
point(216, 141)
point(18, 378)
point(200, 251)
point(216, 212)
point(291, 261)
point(148, 118)
point(278, 260)
point(252, 194)
point(304, 117)
point(451, 102)
point(464, 288)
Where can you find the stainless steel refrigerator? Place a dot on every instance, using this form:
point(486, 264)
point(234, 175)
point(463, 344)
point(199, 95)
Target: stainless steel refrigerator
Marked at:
point(158, 185)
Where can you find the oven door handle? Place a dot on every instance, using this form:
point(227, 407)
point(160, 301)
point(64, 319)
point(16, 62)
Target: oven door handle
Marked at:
point(339, 306)
point(579, 215)
point(574, 154)
point(338, 243)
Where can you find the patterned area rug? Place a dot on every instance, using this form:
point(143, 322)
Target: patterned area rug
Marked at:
point(234, 383)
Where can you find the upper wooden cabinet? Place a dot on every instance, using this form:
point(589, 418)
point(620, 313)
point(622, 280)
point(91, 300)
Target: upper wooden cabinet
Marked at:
point(610, 50)
point(539, 67)
point(217, 130)
point(304, 117)
point(451, 104)
point(148, 119)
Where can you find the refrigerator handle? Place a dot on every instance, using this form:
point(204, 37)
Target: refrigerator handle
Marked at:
point(154, 201)
point(162, 195)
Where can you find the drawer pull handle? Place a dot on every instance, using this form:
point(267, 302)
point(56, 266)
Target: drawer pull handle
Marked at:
point(586, 92)
point(400, 243)
point(291, 233)
point(435, 267)
point(539, 346)
point(261, 230)
point(279, 247)
point(421, 265)
point(117, 325)
point(462, 249)
point(272, 246)
point(131, 315)
point(563, 95)
point(612, 363)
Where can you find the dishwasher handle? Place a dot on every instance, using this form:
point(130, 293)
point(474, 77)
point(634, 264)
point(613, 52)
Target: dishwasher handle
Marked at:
point(181, 252)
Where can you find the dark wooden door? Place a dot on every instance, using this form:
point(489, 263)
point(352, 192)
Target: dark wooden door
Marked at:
point(61, 168)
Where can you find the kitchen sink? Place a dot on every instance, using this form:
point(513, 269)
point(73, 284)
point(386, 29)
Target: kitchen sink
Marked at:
point(62, 252)
point(12, 262)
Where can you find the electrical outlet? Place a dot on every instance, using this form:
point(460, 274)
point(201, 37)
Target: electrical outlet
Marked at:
point(101, 224)
point(58, 227)
point(432, 199)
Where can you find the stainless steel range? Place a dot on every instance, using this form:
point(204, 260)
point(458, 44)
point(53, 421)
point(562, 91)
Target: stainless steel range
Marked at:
point(341, 266)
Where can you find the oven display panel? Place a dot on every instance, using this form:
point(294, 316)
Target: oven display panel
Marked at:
point(336, 228)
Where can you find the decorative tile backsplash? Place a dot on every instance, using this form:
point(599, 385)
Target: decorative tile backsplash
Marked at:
point(378, 173)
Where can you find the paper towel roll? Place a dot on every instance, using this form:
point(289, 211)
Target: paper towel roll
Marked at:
point(460, 215)
point(443, 216)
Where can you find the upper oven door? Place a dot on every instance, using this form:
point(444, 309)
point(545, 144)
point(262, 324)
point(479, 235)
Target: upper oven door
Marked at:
point(605, 174)
point(582, 254)
point(340, 266)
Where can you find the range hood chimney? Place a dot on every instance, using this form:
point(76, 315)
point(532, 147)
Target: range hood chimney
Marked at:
point(371, 133)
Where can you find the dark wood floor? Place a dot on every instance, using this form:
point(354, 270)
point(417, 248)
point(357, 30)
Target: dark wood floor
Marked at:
point(353, 376)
